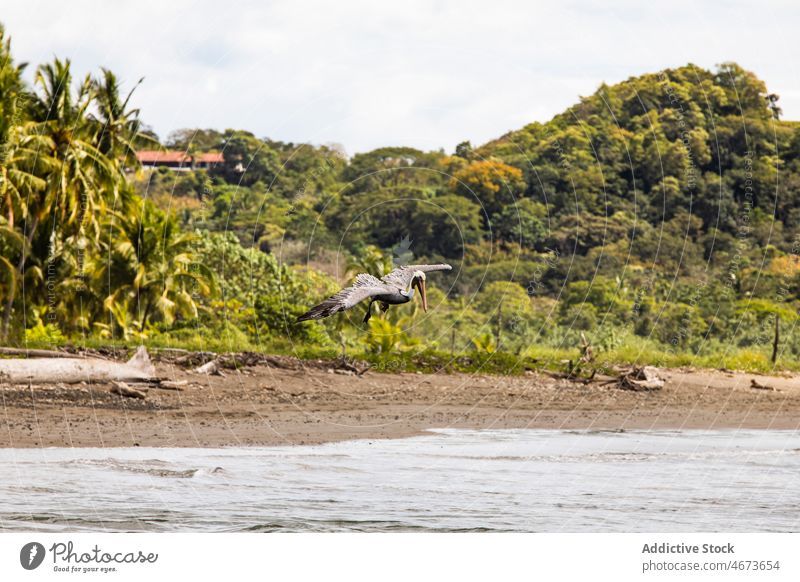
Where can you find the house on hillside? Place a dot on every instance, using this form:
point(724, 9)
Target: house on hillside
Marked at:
point(180, 161)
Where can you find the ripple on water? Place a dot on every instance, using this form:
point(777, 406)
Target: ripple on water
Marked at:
point(152, 467)
point(451, 480)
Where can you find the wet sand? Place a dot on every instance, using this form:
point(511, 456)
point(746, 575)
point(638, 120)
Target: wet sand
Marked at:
point(263, 405)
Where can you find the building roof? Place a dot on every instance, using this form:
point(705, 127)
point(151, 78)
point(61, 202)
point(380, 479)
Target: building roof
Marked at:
point(210, 157)
point(172, 157)
point(152, 157)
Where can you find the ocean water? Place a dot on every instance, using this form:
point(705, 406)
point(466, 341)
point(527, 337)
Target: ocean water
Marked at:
point(448, 480)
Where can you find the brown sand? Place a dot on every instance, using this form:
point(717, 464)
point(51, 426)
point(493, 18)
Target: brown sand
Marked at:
point(265, 406)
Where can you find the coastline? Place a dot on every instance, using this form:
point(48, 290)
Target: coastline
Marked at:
point(263, 405)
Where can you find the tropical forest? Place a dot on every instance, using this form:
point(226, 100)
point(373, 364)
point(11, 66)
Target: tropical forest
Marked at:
point(654, 221)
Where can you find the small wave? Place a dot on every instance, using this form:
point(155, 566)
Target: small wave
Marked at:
point(59, 522)
point(30, 489)
point(620, 456)
point(153, 467)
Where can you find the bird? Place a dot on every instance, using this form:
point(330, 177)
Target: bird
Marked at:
point(395, 288)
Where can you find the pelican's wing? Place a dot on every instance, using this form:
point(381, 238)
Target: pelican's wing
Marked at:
point(401, 277)
point(363, 287)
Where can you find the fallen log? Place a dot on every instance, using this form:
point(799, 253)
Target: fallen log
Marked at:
point(75, 370)
point(34, 353)
point(195, 358)
point(568, 376)
point(640, 378)
point(209, 368)
point(123, 389)
point(282, 362)
point(172, 385)
point(759, 386)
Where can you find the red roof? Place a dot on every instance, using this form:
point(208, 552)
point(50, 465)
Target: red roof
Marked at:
point(211, 158)
point(168, 157)
point(151, 157)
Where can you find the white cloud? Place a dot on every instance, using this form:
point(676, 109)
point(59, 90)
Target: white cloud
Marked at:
point(426, 74)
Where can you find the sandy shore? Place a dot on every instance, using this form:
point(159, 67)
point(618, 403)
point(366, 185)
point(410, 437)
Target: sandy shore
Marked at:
point(268, 406)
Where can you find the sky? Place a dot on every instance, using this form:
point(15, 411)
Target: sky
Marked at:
point(427, 74)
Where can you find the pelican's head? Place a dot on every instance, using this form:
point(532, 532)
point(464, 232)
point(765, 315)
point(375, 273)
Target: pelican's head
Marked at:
point(419, 282)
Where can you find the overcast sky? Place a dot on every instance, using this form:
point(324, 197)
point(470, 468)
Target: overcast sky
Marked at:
point(366, 74)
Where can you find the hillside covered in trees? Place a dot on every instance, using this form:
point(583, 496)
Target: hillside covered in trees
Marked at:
point(659, 217)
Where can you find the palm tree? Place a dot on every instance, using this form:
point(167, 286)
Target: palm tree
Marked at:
point(70, 181)
point(118, 128)
point(63, 153)
point(154, 267)
point(10, 239)
point(20, 183)
point(12, 92)
point(20, 187)
point(84, 178)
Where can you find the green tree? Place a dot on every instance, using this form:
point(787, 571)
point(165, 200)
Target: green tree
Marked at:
point(248, 160)
point(445, 225)
point(77, 176)
point(491, 183)
point(118, 128)
point(524, 222)
point(157, 271)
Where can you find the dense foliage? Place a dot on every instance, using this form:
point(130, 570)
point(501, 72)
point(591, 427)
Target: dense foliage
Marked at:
point(659, 216)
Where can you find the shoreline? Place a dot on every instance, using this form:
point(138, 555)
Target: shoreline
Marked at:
point(263, 405)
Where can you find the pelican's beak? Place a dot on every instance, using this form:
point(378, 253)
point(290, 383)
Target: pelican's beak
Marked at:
point(422, 294)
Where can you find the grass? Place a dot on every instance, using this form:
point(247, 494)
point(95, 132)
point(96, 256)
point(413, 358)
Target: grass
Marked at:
point(535, 357)
point(539, 358)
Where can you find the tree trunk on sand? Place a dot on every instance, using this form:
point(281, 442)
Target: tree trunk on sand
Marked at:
point(74, 370)
point(34, 353)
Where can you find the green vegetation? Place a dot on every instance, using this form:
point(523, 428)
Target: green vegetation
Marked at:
point(660, 217)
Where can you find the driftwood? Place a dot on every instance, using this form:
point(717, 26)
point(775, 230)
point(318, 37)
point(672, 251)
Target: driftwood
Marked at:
point(34, 353)
point(194, 358)
point(75, 370)
point(210, 369)
point(172, 385)
point(237, 360)
point(567, 375)
point(123, 389)
point(638, 378)
point(759, 386)
point(179, 351)
point(282, 362)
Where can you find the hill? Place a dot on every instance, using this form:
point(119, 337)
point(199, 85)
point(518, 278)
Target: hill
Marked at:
point(663, 207)
point(657, 217)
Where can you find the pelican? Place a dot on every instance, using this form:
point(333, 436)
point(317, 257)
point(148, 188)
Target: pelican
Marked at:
point(393, 289)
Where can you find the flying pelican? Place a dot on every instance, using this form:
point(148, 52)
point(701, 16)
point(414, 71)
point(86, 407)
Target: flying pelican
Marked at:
point(393, 289)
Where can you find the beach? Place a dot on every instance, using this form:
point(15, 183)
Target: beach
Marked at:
point(264, 405)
